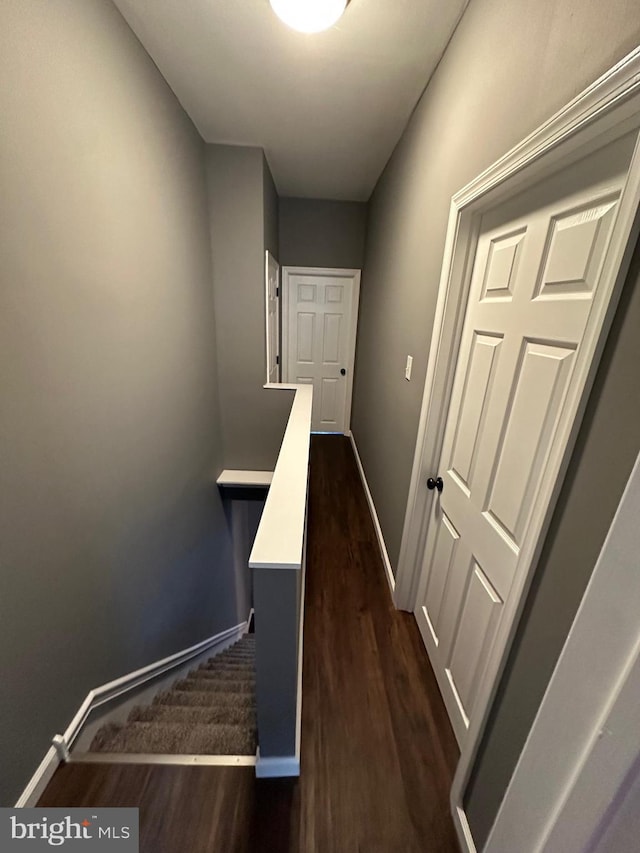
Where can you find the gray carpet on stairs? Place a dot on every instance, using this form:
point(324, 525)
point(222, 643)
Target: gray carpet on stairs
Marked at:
point(210, 712)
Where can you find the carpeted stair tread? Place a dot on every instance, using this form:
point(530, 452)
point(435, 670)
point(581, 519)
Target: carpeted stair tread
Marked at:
point(240, 657)
point(238, 662)
point(221, 714)
point(210, 711)
point(198, 684)
point(241, 672)
point(180, 739)
point(228, 667)
point(224, 675)
point(238, 650)
point(204, 698)
point(105, 735)
point(232, 663)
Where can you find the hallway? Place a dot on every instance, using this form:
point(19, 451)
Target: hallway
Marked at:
point(378, 753)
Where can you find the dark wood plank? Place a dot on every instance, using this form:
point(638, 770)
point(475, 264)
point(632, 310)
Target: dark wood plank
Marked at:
point(378, 753)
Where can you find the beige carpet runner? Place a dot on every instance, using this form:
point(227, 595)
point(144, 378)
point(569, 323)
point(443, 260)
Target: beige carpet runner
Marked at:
point(210, 712)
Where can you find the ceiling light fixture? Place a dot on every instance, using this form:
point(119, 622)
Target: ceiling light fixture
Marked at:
point(309, 16)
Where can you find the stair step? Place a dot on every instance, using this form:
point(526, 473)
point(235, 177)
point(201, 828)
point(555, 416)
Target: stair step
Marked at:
point(235, 659)
point(221, 714)
point(204, 698)
point(242, 670)
point(214, 684)
point(223, 674)
point(210, 711)
point(244, 665)
point(177, 738)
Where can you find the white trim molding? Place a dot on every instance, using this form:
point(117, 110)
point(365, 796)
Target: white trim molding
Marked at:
point(605, 111)
point(584, 740)
point(279, 540)
point(376, 521)
point(244, 479)
point(105, 693)
point(463, 830)
point(277, 767)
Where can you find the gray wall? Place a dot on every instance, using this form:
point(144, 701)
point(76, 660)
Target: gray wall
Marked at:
point(316, 233)
point(605, 453)
point(621, 827)
point(253, 419)
point(270, 207)
point(508, 67)
point(114, 549)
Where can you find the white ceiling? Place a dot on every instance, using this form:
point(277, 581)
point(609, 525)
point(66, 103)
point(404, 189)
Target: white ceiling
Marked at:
point(328, 108)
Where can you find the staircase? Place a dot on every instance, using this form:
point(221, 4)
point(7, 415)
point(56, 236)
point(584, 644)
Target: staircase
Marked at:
point(210, 712)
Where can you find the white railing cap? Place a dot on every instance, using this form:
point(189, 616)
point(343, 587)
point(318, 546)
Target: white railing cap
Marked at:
point(280, 537)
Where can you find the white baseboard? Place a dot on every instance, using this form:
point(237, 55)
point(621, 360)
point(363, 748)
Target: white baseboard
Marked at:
point(374, 515)
point(106, 693)
point(278, 766)
point(159, 758)
point(463, 830)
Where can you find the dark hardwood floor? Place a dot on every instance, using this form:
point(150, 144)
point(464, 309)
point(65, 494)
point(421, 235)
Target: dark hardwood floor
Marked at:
point(378, 753)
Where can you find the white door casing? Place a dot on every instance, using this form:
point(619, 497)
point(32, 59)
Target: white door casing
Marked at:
point(272, 317)
point(535, 278)
point(606, 110)
point(320, 309)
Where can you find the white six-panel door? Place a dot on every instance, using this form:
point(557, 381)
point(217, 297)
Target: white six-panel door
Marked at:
point(319, 318)
point(535, 275)
point(272, 307)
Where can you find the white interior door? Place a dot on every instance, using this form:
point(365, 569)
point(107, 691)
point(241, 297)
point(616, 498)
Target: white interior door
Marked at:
point(319, 322)
point(272, 313)
point(531, 302)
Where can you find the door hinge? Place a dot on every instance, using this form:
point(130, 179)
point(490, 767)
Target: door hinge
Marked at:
point(277, 359)
point(277, 291)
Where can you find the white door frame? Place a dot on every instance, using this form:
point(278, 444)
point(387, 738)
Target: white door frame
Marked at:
point(329, 272)
point(584, 741)
point(602, 113)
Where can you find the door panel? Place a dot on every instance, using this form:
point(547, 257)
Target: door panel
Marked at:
point(306, 337)
point(480, 373)
point(539, 386)
point(573, 249)
point(502, 264)
point(335, 293)
point(329, 405)
point(319, 345)
point(535, 275)
point(331, 345)
point(443, 554)
point(307, 293)
point(478, 622)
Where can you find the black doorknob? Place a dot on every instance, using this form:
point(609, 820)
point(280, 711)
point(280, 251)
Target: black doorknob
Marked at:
point(343, 372)
point(435, 484)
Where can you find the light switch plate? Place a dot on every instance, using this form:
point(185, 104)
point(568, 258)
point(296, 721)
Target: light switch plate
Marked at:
point(407, 370)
